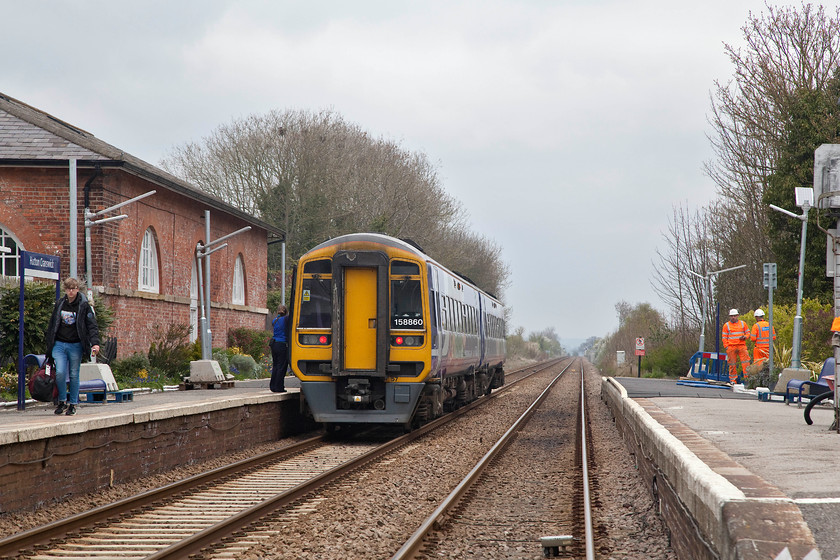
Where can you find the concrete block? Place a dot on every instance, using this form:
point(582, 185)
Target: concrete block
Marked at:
point(789, 374)
point(206, 371)
point(91, 371)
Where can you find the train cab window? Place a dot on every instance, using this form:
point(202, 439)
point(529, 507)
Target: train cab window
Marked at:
point(316, 295)
point(321, 266)
point(404, 268)
point(406, 296)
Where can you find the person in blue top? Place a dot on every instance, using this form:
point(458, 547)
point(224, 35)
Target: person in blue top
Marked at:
point(279, 350)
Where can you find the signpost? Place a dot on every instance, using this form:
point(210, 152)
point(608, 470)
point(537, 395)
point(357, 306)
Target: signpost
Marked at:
point(33, 265)
point(640, 351)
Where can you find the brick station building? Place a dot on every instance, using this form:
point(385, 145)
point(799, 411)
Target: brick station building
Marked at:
point(144, 266)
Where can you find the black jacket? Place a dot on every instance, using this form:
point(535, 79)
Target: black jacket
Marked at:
point(85, 324)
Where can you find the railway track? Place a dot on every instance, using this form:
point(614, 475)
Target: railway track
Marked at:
point(214, 509)
point(538, 459)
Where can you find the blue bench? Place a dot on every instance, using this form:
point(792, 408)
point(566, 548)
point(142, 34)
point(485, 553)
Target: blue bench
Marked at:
point(815, 388)
point(94, 390)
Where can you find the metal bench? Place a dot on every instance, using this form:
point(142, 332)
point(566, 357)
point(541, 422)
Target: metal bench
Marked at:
point(815, 388)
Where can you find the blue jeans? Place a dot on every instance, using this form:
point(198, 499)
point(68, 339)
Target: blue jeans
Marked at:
point(68, 361)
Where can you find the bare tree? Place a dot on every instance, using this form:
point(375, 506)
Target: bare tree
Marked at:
point(691, 252)
point(316, 176)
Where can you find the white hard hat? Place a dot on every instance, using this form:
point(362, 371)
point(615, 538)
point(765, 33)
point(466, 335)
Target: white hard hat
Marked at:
point(759, 313)
point(733, 312)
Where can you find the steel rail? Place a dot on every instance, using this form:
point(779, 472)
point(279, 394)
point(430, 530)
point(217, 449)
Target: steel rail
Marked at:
point(58, 529)
point(414, 543)
point(220, 531)
point(587, 505)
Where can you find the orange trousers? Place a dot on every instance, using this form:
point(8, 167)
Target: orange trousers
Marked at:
point(735, 354)
point(761, 353)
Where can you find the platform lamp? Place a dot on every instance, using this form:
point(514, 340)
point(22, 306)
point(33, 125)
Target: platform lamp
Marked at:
point(706, 280)
point(804, 200)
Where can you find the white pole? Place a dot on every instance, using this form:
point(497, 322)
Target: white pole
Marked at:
point(207, 341)
point(74, 227)
point(283, 274)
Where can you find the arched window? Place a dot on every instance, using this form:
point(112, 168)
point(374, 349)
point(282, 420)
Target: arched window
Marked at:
point(238, 296)
point(147, 275)
point(9, 262)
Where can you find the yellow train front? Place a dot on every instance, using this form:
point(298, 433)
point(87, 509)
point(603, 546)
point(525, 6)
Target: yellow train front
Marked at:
point(381, 333)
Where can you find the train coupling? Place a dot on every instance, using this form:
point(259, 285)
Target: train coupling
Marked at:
point(358, 391)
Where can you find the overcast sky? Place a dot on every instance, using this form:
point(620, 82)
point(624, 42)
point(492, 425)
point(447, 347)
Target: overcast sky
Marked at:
point(568, 129)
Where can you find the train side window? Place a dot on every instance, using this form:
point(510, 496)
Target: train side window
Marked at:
point(316, 303)
point(444, 320)
point(432, 312)
point(321, 266)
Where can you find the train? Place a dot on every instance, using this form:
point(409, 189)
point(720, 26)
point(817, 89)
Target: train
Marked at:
point(381, 333)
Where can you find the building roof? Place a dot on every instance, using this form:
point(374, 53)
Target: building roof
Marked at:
point(31, 137)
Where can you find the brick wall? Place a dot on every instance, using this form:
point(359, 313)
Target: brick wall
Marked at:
point(34, 207)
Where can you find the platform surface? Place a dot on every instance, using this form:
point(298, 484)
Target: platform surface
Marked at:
point(39, 421)
point(770, 439)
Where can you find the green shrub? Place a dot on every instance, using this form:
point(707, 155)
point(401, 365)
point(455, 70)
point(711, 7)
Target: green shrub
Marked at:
point(38, 304)
point(171, 349)
point(130, 367)
point(243, 365)
point(8, 383)
point(274, 298)
point(668, 360)
point(249, 341)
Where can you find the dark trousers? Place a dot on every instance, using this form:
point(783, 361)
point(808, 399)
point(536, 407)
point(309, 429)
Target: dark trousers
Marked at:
point(279, 365)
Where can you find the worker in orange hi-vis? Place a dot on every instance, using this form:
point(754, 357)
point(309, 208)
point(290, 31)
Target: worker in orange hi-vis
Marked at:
point(760, 335)
point(735, 335)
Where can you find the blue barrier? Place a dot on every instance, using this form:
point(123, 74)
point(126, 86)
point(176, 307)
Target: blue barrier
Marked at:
point(710, 366)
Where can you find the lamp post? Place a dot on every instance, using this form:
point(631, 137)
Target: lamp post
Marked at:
point(706, 280)
point(804, 199)
point(90, 222)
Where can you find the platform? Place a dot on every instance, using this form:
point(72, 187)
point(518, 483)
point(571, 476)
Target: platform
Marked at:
point(753, 474)
point(38, 421)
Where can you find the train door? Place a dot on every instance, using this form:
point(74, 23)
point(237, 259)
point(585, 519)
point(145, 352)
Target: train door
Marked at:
point(360, 321)
point(360, 292)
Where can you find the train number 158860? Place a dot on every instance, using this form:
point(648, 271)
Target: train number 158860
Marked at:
point(407, 322)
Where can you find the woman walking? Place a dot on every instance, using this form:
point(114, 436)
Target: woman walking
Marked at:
point(72, 333)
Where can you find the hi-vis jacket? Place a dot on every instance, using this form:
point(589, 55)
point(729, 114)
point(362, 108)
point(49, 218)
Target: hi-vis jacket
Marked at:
point(761, 333)
point(732, 333)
